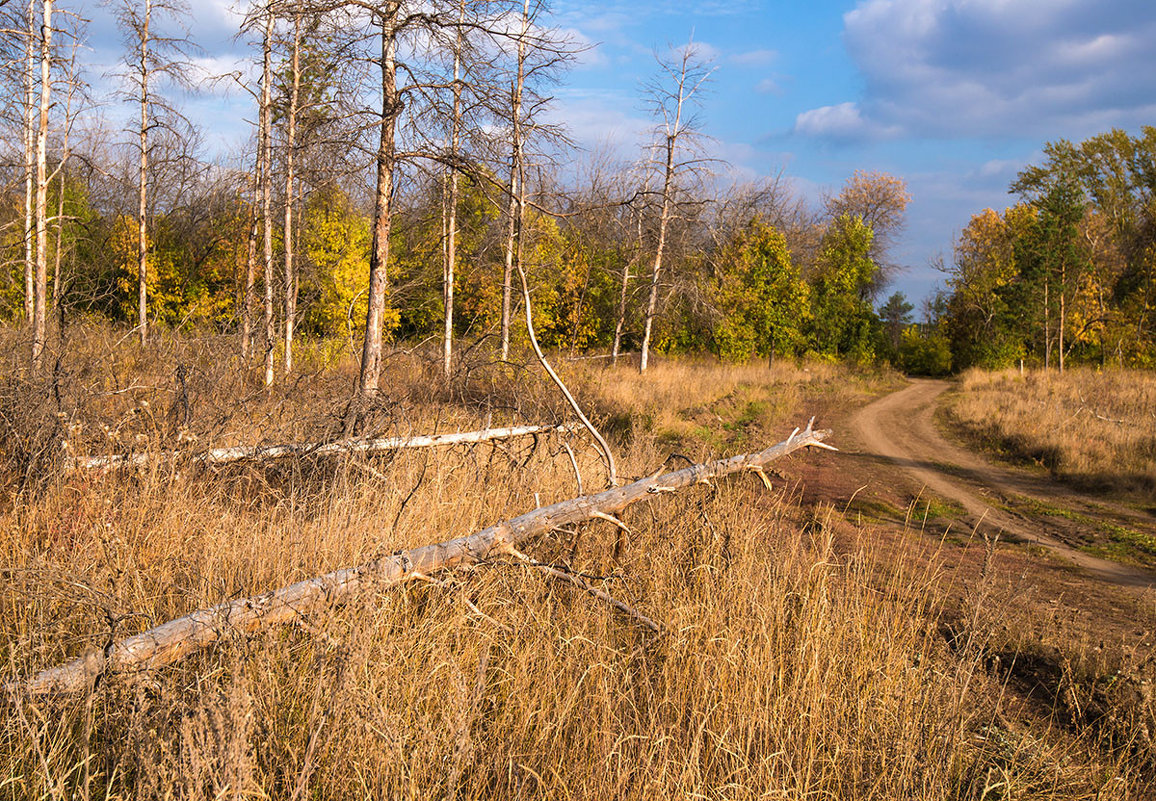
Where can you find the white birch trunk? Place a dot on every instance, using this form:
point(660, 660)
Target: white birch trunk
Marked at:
point(30, 163)
point(41, 221)
point(382, 209)
point(142, 197)
point(265, 136)
point(290, 152)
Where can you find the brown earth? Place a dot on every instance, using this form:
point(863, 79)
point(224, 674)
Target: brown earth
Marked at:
point(900, 427)
point(911, 487)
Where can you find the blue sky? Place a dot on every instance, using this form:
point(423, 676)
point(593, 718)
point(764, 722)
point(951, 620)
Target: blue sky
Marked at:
point(954, 96)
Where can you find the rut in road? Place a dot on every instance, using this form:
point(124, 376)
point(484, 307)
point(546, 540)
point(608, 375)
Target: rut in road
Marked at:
point(900, 428)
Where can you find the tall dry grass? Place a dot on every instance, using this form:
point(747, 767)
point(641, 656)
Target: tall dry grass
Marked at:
point(1096, 428)
point(792, 667)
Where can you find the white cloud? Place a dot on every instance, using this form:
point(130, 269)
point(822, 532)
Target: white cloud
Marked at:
point(844, 121)
point(1004, 67)
point(769, 86)
point(754, 58)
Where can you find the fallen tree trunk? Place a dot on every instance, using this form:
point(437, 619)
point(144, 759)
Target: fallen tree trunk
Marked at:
point(255, 452)
point(178, 638)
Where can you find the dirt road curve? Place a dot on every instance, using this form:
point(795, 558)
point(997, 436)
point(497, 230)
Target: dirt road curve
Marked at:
point(900, 428)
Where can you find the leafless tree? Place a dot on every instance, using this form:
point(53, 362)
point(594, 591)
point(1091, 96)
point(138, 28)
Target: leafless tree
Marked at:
point(41, 202)
point(294, 89)
point(29, 159)
point(451, 201)
point(671, 96)
point(150, 56)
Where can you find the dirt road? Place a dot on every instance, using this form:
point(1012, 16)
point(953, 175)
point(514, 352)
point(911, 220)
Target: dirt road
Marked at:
point(900, 427)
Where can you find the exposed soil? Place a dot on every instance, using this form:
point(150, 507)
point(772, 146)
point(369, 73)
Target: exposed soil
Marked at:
point(913, 490)
point(900, 428)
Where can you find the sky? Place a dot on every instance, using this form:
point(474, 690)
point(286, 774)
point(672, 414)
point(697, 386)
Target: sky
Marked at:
point(953, 96)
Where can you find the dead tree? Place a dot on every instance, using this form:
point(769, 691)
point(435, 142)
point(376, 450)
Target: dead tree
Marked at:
point(290, 154)
point(388, 19)
point(451, 201)
point(671, 95)
point(264, 172)
point(29, 74)
point(150, 57)
point(516, 210)
point(41, 204)
point(176, 639)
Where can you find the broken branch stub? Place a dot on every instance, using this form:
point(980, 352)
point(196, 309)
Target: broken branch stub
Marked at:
point(178, 638)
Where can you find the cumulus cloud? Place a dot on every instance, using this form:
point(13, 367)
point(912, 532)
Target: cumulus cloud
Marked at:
point(1000, 67)
point(842, 122)
point(754, 58)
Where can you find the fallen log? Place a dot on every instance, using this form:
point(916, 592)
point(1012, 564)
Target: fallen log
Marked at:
point(253, 452)
point(178, 638)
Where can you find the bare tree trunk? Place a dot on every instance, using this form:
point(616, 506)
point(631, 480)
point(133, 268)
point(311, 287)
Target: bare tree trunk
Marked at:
point(29, 162)
point(266, 144)
point(290, 148)
point(240, 453)
point(1047, 325)
point(250, 270)
point(142, 207)
point(620, 323)
point(41, 221)
point(512, 236)
point(451, 233)
point(1063, 287)
point(663, 220)
point(56, 282)
point(382, 211)
point(514, 231)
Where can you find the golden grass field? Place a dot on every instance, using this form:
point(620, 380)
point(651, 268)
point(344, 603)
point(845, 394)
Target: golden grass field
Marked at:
point(1095, 428)
point(802, 658)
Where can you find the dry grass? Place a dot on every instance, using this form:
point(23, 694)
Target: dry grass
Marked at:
point(1096, 428)
point(793, 667)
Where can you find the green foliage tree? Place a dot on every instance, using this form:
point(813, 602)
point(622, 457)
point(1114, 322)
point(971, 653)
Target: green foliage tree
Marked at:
point(895, 315)
point(843, 322)
point(762, 300)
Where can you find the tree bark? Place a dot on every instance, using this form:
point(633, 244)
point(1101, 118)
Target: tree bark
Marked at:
point(664, 218)
point(186, 635)
point(241, 453)
point(620, 323)
point(142, 187)
point(30, 163)
point(512, 236)
point(41, 221)
point(451, 233)
point(382, 211)
point(290, 152)
point(514, 230)
point(265, 135)
point(250, 268)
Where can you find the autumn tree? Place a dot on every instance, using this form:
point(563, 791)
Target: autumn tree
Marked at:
point(880, 201)
point(763, 302)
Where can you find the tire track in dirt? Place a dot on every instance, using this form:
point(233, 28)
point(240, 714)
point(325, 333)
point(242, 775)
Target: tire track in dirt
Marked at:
point(900, 428)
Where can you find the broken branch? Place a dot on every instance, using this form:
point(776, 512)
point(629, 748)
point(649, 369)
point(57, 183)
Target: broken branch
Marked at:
point(244, 452)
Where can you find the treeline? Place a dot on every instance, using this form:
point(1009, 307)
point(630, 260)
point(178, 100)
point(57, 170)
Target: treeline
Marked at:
point(754, 274)
point(404, 180)
point(1066, 275)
